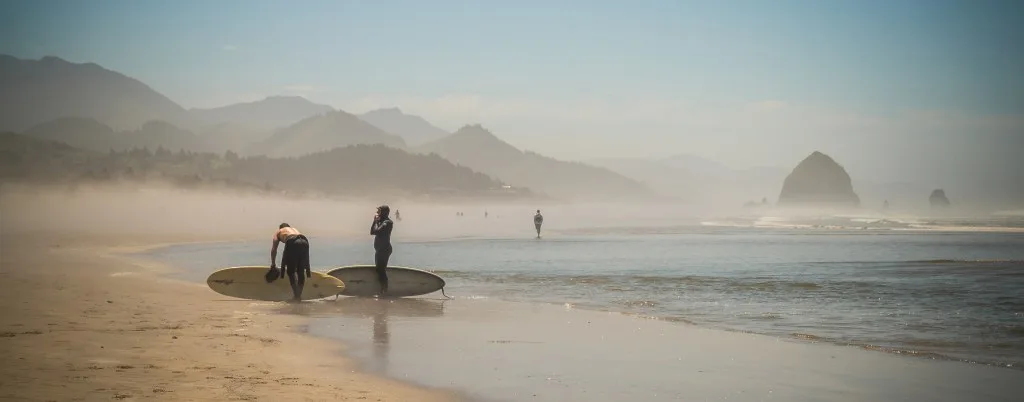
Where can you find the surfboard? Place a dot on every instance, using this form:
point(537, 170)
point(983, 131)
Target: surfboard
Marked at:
point(361, 280)
point(249, 283)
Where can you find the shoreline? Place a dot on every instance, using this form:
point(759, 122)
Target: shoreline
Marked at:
point(85, 319)
point(797, 337)
point(546, 352)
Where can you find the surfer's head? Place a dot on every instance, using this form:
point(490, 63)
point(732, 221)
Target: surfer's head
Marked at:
point(284, 225)
point(384, 210)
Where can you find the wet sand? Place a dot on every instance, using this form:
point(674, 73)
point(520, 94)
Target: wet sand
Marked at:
point(80, 323)
point(502, 351)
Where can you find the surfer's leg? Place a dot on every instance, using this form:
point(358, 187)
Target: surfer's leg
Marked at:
point(289, 267)
point(301, 265)
point(381, 260)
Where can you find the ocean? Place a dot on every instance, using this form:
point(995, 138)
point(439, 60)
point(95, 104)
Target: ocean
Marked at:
point(926, 294)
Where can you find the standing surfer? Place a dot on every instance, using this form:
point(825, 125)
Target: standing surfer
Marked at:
point(294, 259)
point(381, 230)
point(538, 220)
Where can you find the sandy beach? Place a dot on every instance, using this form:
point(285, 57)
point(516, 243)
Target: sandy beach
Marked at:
point(84, 318)
point(81, 323)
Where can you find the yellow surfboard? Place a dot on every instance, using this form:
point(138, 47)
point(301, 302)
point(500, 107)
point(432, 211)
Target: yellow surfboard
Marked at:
point(249, 283)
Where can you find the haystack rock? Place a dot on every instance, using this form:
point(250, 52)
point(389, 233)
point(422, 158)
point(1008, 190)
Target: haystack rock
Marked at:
point(818, 180)
point(938, 198)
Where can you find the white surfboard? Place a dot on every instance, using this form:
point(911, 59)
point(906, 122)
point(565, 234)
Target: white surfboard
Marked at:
point(249, 283)
point(361, 280)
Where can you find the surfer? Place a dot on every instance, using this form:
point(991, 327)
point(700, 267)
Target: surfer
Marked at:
point(294, 259)
point(381, 230)
point(538, 220)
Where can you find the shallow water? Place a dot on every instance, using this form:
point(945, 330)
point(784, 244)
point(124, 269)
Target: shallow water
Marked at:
point(942, 295)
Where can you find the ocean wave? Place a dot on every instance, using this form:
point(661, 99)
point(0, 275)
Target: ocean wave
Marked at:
point(920, 352)
point(968, 261)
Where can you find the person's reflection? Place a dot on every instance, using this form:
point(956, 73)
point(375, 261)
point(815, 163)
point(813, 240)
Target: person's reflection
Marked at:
point(381, 336)
point(379, 310)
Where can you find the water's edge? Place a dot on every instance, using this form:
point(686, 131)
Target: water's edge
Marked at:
point(176, 270)
point(793, 337)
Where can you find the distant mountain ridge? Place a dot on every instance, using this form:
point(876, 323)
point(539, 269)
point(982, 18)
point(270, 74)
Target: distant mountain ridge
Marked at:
point(51, 88)
point(322, 133)
point(415, 130)
point(479, 149)
point(38, 91)
point(92, 135)
point(339, 171)
point(270, 113)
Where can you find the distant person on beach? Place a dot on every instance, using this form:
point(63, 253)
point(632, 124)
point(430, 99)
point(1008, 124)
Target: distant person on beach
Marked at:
point(538, 220)
point(294, 259)
point(381, 230)
point(398, 215)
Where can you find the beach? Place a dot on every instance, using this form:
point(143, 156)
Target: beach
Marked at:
point(82, 323)
point(104, 300)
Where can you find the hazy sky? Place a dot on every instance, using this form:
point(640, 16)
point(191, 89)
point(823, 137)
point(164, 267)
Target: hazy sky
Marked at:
point(876, 84)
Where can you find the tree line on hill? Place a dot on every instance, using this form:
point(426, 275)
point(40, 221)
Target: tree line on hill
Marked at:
point(355, 171)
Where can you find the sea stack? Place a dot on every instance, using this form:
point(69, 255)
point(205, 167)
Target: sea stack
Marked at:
point(938, 199)
point(818, 180)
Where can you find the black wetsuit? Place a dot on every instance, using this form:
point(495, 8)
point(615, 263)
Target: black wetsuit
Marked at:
point(381, 229)
point(295, 262)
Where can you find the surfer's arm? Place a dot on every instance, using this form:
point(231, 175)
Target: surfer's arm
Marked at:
point(273, 251)
point(378, 226)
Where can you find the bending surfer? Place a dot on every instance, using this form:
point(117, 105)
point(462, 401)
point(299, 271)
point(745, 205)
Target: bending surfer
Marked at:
point(538, 220)
point(294, 259)
point(381, 230)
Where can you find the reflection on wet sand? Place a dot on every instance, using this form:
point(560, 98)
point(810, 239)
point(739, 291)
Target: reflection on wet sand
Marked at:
point(377, 309)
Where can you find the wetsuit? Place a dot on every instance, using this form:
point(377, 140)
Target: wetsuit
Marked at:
point(295, 262)
point(538, 220)
point(381, 229)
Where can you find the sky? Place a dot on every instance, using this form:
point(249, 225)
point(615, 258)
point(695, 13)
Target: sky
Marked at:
point(894, 90)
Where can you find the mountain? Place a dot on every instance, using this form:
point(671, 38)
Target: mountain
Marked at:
point(346, 170)
point(268, 114)
point(415, 130)
point(340, 171)
point(818, 179)
point(92, 135)
point(321, 133)
point(38, 91)
point(698, 181)
point(479, 149)
point(22, 157)
point(78, 132)
point(222, 137)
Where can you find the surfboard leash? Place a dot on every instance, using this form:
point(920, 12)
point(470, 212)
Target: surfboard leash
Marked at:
point(442, 293)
